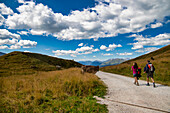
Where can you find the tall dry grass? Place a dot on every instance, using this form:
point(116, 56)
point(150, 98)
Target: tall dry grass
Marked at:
point(57, 91)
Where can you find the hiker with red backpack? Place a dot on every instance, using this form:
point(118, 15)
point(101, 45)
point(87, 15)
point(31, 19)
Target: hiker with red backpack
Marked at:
point(135, 73)
point(149, 69)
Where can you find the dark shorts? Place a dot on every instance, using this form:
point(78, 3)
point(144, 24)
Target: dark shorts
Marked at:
point(134, 75)
point(150, 74)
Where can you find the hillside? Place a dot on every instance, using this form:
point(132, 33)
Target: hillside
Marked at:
point(22, 63)
point(2, 53)
point(160, 59)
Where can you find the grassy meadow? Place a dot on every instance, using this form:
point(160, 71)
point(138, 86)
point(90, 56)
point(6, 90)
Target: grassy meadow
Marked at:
point(161, 61)
point(55, 91)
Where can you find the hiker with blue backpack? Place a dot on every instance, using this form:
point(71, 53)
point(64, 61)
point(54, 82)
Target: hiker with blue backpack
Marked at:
point(149, 69)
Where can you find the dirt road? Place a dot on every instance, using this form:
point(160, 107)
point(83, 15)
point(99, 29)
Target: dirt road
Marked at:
point(125, 97)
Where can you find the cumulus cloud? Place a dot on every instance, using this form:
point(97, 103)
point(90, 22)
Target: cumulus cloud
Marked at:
point(161, 39)
point(10, 40)
point(5, 34)
point(2, 19)
point(103, 20)
point(110, 48)
point(81, 44)
point(4, 10)
point(156, 25)
point(103, 47)
point(149, 49)
point(78, 51)
point(124, 54)
point(107, 54)
point(27, 51)
point(23, 32)
point(3, 47)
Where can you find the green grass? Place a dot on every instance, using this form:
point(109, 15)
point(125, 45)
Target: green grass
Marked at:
point(56, 91)
point(21, 63)
point(161, 62)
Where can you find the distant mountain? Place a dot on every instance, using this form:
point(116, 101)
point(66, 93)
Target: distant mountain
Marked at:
point(159, 58)
point(22, 63)
point(2, 53)
point(103, 63)
point(112, 62)
point(93, 63)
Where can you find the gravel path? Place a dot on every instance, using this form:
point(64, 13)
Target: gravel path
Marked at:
point(125, 97)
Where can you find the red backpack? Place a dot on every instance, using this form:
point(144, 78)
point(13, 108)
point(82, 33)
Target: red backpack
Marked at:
point(139, 71)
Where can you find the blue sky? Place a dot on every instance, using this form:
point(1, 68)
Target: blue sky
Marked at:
point(84, 29)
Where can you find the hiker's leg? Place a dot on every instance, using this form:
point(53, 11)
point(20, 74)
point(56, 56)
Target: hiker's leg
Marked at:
point(137, 81)
point(134, 81)
point(152, 80)
point(148, 80)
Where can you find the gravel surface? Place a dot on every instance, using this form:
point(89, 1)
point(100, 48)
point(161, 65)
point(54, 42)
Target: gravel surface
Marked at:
point(125, 97)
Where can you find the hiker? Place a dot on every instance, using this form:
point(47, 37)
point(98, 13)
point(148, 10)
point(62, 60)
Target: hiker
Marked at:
point(135, 69)
point(149, 69)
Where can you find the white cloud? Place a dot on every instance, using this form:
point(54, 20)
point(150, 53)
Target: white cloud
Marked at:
point(5, 34)
point(73, 55)
point(81, 44)
point(27, 51)
point(2, 19)
point(107, 54)
point(34, 32)
point(124, 54)
point(4, 10)
point(23, 32)
point(10, 40)
point(161, 39)
point(156, 25)
point(26, 43)
point(14, 47)
point(149, 49)
point(21, 1)
point(78, 51)
point(110, 48)
point(103, 20)
point(103, 47)
point(3, 47)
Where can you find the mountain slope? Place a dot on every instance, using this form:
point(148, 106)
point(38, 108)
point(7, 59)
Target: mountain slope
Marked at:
point(93, 63)
point(103, 63)
point(112, 62)
point(2, 53)
point(21, 63)
point(159, 58)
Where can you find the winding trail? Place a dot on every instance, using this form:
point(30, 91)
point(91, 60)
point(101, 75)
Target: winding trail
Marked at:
point(125, 97)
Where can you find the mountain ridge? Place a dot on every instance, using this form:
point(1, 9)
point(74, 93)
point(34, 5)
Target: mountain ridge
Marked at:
point(1, 53)
point(18, 63)
point(108, 62)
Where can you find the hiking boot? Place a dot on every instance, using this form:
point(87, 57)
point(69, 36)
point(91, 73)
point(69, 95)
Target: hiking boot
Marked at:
point(135, 82)
point(154, 85)
point(147, 84)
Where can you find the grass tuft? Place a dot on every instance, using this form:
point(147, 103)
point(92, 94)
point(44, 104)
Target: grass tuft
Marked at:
point(56, 91)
